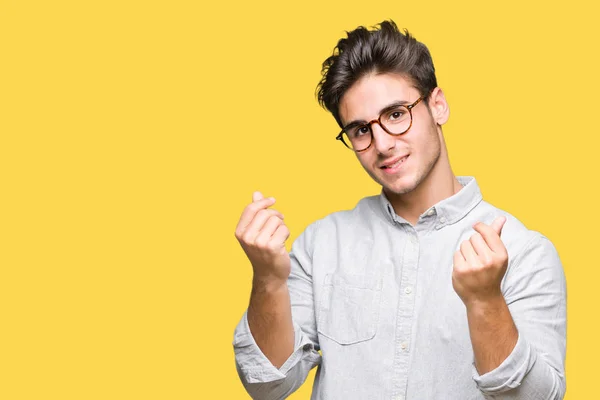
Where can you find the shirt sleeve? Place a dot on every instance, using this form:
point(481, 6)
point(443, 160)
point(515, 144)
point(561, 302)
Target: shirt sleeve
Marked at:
point(535, 292)
point(262, 379)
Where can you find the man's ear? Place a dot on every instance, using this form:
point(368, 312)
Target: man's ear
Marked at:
point(438, 106)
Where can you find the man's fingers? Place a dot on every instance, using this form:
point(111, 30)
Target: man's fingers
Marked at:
point(269, 228)
point(469, 253)
point(491, 236)
point(251, 210)
point(498, 224)
point(281, 234)
point(256, 196)
point(480, 246)
point(459, 260)
point(257, 224)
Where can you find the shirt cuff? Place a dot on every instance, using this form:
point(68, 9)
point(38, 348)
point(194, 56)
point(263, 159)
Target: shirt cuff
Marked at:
point(254, 366)
point(510, 373)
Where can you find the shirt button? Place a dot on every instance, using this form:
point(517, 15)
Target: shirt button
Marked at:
point(413, 240)
point(403, 345)
point(443, 220)
point(408, 290)
point(430, 212)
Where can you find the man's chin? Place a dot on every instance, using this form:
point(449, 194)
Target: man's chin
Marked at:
point(398, 187)
point(393, 185)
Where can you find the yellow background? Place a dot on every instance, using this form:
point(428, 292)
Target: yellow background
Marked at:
point(132, 135)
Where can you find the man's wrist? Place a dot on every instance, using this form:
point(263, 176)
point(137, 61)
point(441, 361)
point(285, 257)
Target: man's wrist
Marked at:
point(485, 305)
point(268, 284)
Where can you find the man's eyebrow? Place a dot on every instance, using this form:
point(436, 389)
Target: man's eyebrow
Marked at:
point(384, 109)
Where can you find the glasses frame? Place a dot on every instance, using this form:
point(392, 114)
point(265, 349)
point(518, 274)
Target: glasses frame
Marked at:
point(409, 107)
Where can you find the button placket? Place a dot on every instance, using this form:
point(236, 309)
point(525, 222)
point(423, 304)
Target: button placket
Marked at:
point(405, 313)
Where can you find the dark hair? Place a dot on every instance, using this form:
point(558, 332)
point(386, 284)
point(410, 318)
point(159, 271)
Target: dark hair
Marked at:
point(383, 50)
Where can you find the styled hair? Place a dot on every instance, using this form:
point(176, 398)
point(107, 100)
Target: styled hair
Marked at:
point(382, 50)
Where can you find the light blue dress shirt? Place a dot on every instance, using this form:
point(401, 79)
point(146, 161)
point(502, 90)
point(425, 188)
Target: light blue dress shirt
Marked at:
point(374, 295)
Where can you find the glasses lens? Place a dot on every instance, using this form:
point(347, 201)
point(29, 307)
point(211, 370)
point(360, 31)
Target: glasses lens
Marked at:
point(358, 138)
point(397, 120)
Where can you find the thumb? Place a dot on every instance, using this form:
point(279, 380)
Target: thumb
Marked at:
point(256, 196)
point(498, 224)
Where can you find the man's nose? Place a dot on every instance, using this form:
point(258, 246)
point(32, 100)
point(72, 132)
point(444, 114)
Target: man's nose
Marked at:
point(382, 140)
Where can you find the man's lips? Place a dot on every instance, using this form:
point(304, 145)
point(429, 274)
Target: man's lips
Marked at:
point(393, 163)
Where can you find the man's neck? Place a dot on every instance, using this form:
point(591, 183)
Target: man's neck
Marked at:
point(440, 184)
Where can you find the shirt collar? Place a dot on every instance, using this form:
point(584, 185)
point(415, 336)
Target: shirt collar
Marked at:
point(447, 211)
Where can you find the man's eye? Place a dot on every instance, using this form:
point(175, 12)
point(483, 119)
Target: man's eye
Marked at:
point(396, 115)
point(359, 131)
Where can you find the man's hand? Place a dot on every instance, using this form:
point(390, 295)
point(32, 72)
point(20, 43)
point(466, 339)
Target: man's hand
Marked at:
point(480, 265)
point(262, 234)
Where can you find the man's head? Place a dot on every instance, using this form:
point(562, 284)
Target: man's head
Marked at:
point(371, 71)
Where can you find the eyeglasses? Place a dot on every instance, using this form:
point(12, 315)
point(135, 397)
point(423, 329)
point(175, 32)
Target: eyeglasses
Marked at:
point(395, 120)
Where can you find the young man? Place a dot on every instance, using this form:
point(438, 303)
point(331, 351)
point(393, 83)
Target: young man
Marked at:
point(423, 292)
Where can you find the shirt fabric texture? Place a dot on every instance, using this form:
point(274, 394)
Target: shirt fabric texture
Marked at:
point(374, 295)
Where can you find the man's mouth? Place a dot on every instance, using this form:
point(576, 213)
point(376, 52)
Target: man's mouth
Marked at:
point(394, 164)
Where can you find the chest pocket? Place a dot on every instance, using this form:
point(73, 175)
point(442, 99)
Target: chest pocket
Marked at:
point(349, 310)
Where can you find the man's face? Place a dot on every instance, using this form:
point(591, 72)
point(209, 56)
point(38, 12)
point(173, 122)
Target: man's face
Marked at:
point(398, 163)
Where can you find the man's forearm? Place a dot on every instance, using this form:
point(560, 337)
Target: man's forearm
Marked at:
point(493, 333)
point(270, 320)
